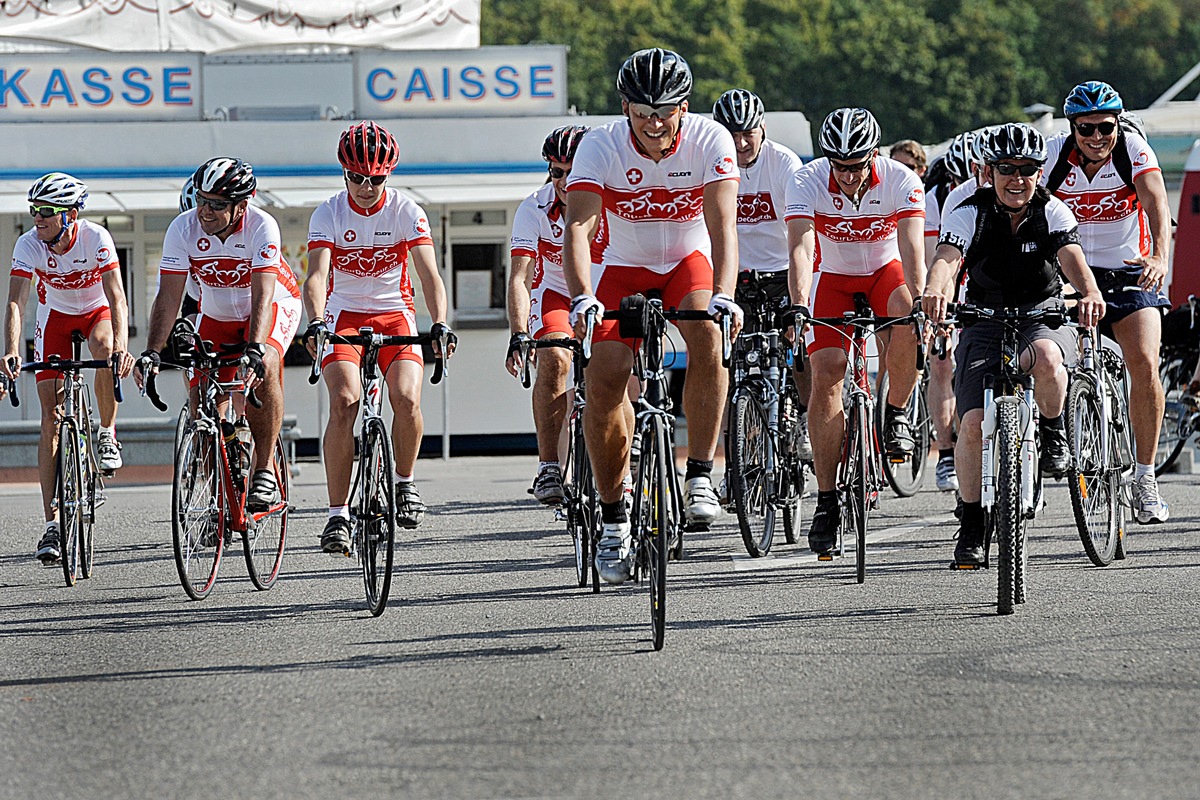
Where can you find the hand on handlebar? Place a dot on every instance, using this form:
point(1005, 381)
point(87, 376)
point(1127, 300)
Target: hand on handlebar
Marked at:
point(124, 362)
point(722, 305)
point(147, 364)
point(1090, 310)
point(934, 305)
point(315, 325)
point(580, 306)
point(442, 335)
point(256, 368)
point(10, 366)
point(518, 347)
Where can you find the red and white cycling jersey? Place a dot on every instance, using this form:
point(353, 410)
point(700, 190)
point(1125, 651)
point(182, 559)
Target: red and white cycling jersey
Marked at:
point(73, 282)
point(653, 212)
point(762, 233)
point(856, 240)
point(537, 233)
point(369, 250)
point(1112, 225)
point(222, 269)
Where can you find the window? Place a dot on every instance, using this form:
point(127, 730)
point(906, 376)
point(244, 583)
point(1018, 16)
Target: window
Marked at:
point(479, 284)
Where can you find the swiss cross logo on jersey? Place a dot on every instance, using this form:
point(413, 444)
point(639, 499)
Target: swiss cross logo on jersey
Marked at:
point(102, 254)
point(1069, 181)
point(51, 262)
point(837, 202)
point(634, 176)
point(556, 230)
point(349, 236)
point(916, 196)
point(203, 245)
point(1141, 159)
point(723, 166)
point(268, 252)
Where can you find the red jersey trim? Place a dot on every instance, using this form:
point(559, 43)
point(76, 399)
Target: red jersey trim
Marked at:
point(370, 212)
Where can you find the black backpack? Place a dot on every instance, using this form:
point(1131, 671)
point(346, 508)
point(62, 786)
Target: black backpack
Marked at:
point(1120, 160)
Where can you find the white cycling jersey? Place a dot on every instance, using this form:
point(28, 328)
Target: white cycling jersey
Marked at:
point(957, 195)
point(73, 282)
point(653, 212)
point(369, 250)
point(862, 239)
point(1112, 224)
point(537, 233)
point(762, 233)
point(222, 269)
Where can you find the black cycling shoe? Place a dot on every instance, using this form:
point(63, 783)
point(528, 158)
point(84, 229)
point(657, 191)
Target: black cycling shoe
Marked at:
point(1056, 453)
point(335, 539)
point(968, 552)
point(899, 441)
point(822, 535)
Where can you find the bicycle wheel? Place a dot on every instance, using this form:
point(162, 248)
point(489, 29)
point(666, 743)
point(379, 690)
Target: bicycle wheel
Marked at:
point(583, 509)
point(652, 522)
point(790, 467)
point(374, 511)
point(1093, 482)
point(92, 486)
point(751, 482)
point(197, 509)
point(906, 477)
point(69, 491)
point(1175, 369)
point(1009, 517)
point(858, 429)
point(265, 537)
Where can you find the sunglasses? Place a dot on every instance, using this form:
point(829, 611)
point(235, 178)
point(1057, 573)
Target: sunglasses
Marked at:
point(559, 172)
point(858, 166)
point(643, 111)
point(1086, 129)
point(1024, 170)
point(46, 212)
point(359, 180)
point(215, 205)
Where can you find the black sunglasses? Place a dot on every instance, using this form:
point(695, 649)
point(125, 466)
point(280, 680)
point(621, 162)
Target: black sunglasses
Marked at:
point(46, 212)
point(856, 167)
point(1086, 129)
point(559, 172)
point(359, 180)
point(215, 205)
point(1024, 170)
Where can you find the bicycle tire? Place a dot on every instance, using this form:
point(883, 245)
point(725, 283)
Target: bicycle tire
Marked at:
point(791, 467)
point(374, 515)
point(1177, 426)
point(582, 504)
point(860, 502)
point(751, 482)
point(265, 537)
point(198, 509)
point(907, 477)
point(658, 526)
point(1009, 515)
point(69, 491)
point(1091, 483)
point(91, 484)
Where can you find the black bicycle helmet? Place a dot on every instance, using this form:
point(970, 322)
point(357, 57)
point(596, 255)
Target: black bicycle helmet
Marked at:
point(1016, 140)
point(739, 110)
point(849, 133)
point(655, 77)
point(226, 177)
point(562, 143)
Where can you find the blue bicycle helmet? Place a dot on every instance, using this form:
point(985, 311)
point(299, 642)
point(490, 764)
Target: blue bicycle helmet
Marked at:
point(1092, 97)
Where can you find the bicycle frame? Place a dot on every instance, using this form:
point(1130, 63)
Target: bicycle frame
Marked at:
point(1016, 388)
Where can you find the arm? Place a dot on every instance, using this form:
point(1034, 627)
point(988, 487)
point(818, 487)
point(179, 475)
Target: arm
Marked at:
point(583, 215)
point(802, 245)
point(316, 284)
point(947, 260)
point(114, 290)
point(1152, 195)
point(165, 309)
point(18, 296)
point(518, 294)
point(262, 298)
point(1073, 264)
point(433, 288)
point(720, 217)
point(911, 239)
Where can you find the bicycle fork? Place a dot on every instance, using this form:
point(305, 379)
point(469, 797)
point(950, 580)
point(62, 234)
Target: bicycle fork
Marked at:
point(1027, 419)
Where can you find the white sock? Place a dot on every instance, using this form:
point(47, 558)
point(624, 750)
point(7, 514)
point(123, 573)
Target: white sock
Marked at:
point(543, 464)
point(403, 478)
point(1142, 470)
point(52, 525)
point(110, 431)
point(339, 511)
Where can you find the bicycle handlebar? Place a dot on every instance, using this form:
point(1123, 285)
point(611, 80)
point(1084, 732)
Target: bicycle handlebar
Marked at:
point(670, 315)
point(366, 337)
point(541, 344)
point(968, 314)
point(66, 364)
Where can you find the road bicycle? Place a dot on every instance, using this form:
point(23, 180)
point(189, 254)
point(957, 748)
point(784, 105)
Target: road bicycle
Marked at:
point(657, 521)
point(1101, 441)
point(581, 505)
point(763, 469)
point(214, 461)
point(373, 491)
point(78, 481)
point(1011, 465)
point(1181, 412)
point(860, 469)
point(906, 476)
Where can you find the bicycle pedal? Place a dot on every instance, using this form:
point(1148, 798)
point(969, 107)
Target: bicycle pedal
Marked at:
point(897, 459)
point(954, 565)
point(107, 473)
point(825, 556)
point(696, 527)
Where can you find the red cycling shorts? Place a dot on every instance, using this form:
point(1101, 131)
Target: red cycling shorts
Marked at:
point(52, 335)
point(693, 274)
point(833, 295)
point(389, 323)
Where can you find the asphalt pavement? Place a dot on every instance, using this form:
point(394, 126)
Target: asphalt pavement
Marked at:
point(491, 676)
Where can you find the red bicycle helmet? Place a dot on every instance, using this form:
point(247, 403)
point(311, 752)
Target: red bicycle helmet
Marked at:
point(368, 149)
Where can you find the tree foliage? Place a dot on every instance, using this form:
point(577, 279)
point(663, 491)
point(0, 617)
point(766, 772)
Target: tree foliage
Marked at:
point(927, 68)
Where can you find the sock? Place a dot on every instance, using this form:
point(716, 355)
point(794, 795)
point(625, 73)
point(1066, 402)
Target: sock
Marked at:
point(543, 464)
point(339, 511)
point(52, 524)
point(613, 513)
point(698, 469)
point(403, 478)
point(827, 498)
point(1142, 470)
point(972, 515)
point(947, 452)
point(111, 431)
point(1058, 423)
point(893, 411)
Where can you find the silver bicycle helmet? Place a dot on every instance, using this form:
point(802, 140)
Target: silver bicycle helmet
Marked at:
point(849, 133)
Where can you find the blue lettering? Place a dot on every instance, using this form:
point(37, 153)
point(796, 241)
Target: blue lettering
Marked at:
point(472, 80)
point(97, 78)
point(13, 85)
point(536, 79)
point(506, 81)
point(445, 83)
point(372, 77)
point(143, 93)
point(57, 87)
point(418, 84)
point(170, 85)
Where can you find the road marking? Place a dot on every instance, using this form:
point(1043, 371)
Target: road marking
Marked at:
point(744, 563)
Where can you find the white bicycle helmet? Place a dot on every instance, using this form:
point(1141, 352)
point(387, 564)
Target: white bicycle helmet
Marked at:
point(187, 195)
point(739, 110)
point(231, 178)
point(849, 133)
point(58, 189)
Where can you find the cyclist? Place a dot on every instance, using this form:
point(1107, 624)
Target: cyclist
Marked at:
point(911, 154)
point(538, 299)
point(1109, 177)
point(1011, 238)
point(249, 297)
point(766, 169)
point(79, 288)
point(663, 183)
point(359, 243)
point(865, 216)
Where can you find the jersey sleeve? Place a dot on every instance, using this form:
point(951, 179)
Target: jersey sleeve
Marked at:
point(524, 240)
point(933, 215)
point(106, 251)
point(320, 227)
point(266, 244)
point(174, 256)
point(799, 199)
point(958, 227)
point(416, 222)
point(722, 158)
point(910, 194)
point(1062, 224)
point(589, 168)
point(1141, 155)
point(22, 259)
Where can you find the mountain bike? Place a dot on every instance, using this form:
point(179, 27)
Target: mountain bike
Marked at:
point(214, 462)
point(581, 504)
point(860, 469)
point(657, 520)
point(373, 492)
point(763, 470)
point(1181, 413)
point(78, 481)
